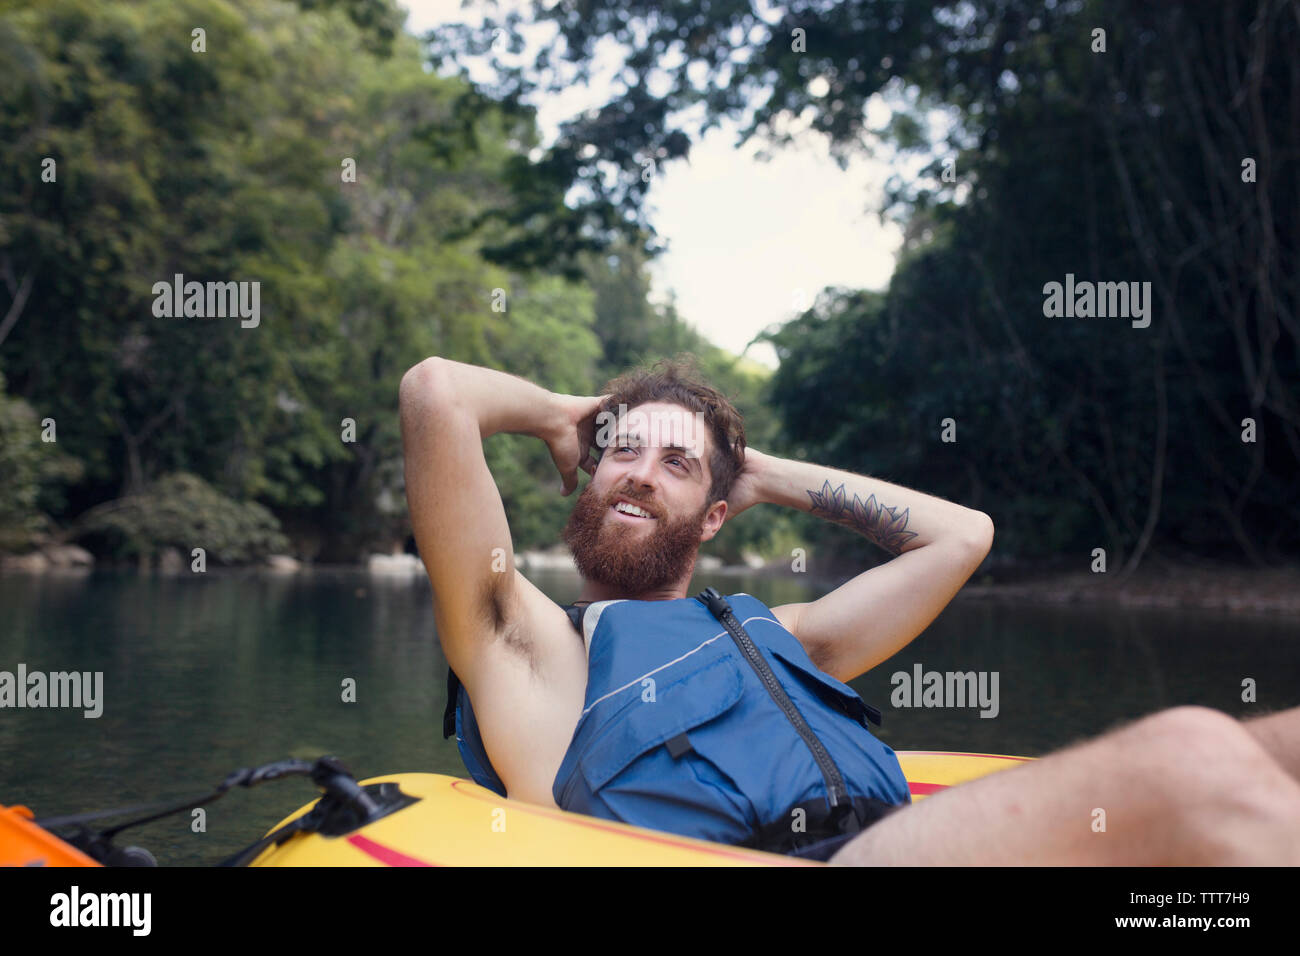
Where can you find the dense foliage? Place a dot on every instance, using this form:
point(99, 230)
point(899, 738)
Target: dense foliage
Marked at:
point(182, 512)
point(33, 473)
point(1113, 142)
point(133, 157)
point(1166, 155)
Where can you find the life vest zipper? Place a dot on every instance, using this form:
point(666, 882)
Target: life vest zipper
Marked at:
point(720, 609)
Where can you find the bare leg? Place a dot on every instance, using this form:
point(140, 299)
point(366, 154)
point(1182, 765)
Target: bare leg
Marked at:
point(1188, 786)
point(1279, 734)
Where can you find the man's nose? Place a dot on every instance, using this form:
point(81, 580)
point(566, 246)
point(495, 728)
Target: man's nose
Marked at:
point(642, 473)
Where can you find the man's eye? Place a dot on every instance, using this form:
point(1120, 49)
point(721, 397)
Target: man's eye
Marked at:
point(677, 461)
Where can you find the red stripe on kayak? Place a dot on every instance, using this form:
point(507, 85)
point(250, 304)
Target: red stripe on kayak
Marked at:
point(384, 854)
point(924, 788)
point(578, 820)
point(953, 753)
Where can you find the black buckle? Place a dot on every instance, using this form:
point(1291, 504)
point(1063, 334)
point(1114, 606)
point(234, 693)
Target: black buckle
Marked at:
point(715, 602)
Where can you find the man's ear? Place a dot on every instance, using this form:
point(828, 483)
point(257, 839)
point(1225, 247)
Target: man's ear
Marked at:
point(713, 519)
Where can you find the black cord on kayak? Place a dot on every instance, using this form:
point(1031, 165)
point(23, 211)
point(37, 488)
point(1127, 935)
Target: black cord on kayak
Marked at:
point(343, 807)
point(244, 777)
point(309, 822)
point(98, 844)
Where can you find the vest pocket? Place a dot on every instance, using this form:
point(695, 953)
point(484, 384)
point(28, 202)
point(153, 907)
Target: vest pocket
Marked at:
point(633, 765)
point(679, 707)
point(838, 695)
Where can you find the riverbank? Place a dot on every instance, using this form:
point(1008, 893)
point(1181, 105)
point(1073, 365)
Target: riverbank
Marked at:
point(1265, 591)
point(1155, 585)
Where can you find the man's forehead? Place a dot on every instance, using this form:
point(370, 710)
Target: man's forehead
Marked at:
point(655, 425)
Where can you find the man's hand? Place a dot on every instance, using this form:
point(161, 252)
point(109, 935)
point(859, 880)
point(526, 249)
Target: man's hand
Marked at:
point(573, 437)
point(747, 490)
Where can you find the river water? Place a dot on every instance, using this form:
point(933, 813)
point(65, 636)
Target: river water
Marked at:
point(203, 674)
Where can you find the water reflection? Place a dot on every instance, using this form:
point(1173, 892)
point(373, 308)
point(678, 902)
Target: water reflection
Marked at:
point(206, 673)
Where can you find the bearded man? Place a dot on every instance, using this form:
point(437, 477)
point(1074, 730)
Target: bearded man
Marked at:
point(720, 718)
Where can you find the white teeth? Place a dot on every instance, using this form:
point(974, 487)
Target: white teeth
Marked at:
point(631, 510)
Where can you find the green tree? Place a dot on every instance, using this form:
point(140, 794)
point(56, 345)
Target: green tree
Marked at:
point(32, 473)
point(1150, 154)
point(232, 164)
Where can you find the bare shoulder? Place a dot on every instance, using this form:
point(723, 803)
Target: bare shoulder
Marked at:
point(527, 690)
point(788, 615)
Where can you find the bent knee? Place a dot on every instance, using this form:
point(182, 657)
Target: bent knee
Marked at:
point(1191, 730)
point(1195, 751)
point(1209, 790)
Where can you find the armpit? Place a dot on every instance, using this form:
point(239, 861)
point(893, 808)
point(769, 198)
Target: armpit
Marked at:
point(499, 605)
point(820, 654)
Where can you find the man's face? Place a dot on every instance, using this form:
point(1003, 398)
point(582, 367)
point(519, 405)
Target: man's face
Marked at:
point(655, 461)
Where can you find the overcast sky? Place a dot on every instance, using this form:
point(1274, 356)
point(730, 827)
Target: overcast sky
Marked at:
point(747, 240)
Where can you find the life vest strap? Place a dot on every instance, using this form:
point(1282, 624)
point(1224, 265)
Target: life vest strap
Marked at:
point(814, 831)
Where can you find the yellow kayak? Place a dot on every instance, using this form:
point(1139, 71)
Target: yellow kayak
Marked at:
point(455, 822)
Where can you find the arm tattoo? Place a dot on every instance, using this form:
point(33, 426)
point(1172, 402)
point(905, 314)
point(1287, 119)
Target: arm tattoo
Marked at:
point(881, 524)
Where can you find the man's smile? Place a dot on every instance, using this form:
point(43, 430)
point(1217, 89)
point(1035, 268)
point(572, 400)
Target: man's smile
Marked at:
point(630, 511)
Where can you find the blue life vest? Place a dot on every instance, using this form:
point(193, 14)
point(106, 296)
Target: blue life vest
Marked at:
point(681, 732)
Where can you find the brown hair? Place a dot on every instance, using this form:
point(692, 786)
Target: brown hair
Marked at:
point(674, 380)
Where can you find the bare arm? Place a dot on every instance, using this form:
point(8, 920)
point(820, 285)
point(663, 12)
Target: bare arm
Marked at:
point(447, 409)
point(938, 545)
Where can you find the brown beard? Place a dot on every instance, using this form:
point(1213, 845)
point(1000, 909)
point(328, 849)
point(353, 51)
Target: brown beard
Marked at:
point(607, 553)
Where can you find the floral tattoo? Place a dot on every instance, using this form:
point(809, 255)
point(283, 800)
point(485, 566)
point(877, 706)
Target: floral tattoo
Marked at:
point(885, 526)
